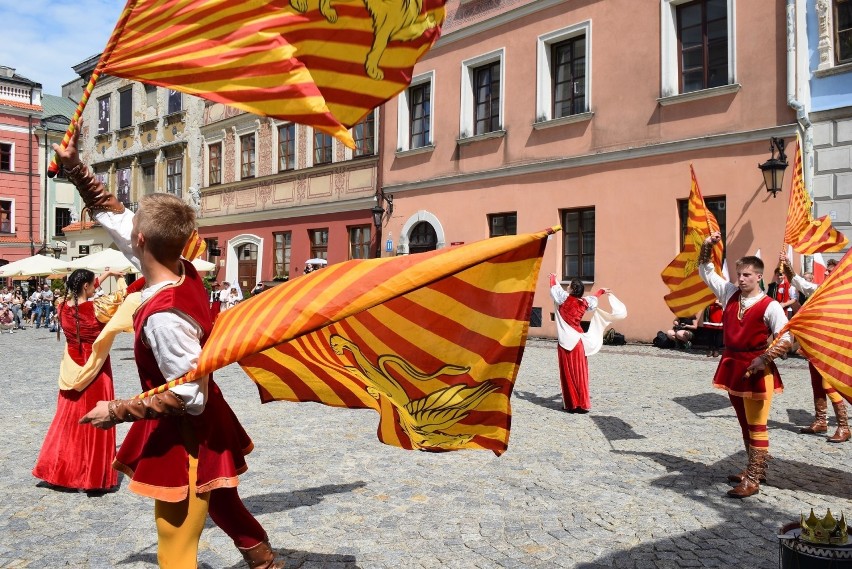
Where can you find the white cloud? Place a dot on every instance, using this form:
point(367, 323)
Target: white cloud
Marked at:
point(44, 39)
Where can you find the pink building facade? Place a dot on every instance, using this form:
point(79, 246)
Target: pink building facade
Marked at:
point(20, 182)
point(588, 115)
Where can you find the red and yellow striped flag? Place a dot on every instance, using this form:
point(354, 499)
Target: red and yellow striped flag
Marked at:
point(688, 293)
point(324, 65)
point(823, 328)
point(431, 341)
point(195, 247)
point(806, 234)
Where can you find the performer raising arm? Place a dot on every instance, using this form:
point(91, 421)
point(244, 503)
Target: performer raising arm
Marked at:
point(186, 447)
point(746, 370)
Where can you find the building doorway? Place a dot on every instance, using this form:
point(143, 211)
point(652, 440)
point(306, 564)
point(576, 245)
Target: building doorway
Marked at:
point(247, 267)
point(422, 238)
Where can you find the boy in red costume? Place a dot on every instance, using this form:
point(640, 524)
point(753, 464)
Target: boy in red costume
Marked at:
point(187, 448)
point(746, 370)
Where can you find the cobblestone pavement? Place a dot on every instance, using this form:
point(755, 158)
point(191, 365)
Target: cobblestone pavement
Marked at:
point(638, 482)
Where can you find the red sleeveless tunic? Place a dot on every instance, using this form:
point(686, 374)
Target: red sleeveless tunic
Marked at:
point(745, 340)
point(154, 452)
point(572, 311)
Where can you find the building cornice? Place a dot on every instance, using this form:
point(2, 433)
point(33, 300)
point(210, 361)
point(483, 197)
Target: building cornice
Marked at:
point(496, 21)
point(674, 147)
point(360, 204)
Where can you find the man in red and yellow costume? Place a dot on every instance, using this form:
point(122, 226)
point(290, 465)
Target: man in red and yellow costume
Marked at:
point(746, 370)
point(186, 447)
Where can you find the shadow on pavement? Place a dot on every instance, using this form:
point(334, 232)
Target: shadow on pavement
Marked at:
point(615, 429)
point(553, 402)
point(705, 403)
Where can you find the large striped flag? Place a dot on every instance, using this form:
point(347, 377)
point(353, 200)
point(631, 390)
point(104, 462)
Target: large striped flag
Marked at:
point(806, 234)
point(320, 64)
point(823, 328)
point(195, 246)
point(689, 294)
point(431, 341)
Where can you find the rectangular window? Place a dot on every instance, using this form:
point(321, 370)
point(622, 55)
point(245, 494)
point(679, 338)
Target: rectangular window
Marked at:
point(103, 115)
point(61, 219)
point(212, 250)
point(281, 262)
point(151, 95)
point(123, 190)
point(843, 30)
point(359, 242)
point(419, 113)
point(214, 163)
point(364, 134)
point(319, 243)
point(148, 173)
point(568, 77)
point(6, 212)
point(175, 101)
point(717, 208)
point(502, 224)
point(702, 34)
point(322, 148)
point(486, 98)
point(247, 156)
point(174, 176)
point(578, 246)
point(125, 108)
point(5, 157)
point(286, 147)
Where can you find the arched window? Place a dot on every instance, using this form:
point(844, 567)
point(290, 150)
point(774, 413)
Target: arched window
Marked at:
point(422, 238)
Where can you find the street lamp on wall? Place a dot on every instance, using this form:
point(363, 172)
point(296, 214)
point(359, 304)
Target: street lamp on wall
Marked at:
point(379, 212)
point(773, 169)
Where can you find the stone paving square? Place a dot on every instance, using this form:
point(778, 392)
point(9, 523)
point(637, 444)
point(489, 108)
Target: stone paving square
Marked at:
point(639, 482)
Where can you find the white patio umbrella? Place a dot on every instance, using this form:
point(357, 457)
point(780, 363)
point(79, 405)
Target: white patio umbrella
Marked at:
point(203, 266)
point(100, 261)
point(35, 266)
point(316, 261)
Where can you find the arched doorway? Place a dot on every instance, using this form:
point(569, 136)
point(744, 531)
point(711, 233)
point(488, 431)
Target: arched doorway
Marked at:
point(247, 266)
point(422, 238)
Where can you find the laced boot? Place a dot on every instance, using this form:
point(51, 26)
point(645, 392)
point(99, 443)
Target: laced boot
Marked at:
point(261, 556)
point(750, 485)
point(820, 424)
point(738, 477)
point(842, 433)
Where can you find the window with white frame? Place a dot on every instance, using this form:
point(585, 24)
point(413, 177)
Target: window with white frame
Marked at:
point(697, 45)
point(286, 147)
point(414, 113)
point(322, 148)
point(61, 220)
point(7, 216)
point(364, 134)
point(175, 101)
point(214, 164)
point(6, 161)
point(482, 95)
point(247, 156)
point(151, 96)
point(563, 73)
point(174, 175)
point(843, 30)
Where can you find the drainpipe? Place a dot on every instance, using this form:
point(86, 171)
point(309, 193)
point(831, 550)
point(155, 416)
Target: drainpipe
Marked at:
point(44, 203)
point(379, 178)
point(795, 104)
point(30, 180)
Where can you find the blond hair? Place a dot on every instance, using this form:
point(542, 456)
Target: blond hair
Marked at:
point(166, 222)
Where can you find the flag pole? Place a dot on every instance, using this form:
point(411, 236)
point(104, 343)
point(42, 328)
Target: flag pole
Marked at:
point(53, 168)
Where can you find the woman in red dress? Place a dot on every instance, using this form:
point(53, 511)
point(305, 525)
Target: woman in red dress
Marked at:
point(75, 455)
point(573, 365)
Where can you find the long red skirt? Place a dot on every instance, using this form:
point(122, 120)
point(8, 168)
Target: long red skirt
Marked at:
point(574, 377)
point(75, 455)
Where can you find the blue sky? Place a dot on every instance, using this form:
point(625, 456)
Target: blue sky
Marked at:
point(44, 39)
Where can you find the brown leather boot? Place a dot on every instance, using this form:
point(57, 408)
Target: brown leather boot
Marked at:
point(820, 424)
point(738, 477)
point(750, 485)
point(261, 556)
point(842, 434)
